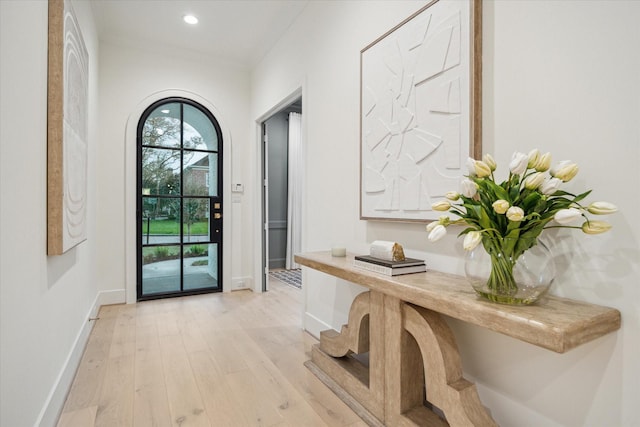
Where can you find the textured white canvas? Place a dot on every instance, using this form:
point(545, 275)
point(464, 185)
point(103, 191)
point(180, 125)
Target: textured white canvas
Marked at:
point(415, 113)
point(75, 132)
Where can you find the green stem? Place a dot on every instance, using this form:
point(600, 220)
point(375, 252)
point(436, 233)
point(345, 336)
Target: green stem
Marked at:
point(501, 280)
point(562, 226)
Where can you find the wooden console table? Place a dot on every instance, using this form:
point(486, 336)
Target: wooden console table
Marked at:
point(414, 371)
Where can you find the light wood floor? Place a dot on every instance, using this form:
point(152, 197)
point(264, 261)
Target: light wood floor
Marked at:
point(225, 360)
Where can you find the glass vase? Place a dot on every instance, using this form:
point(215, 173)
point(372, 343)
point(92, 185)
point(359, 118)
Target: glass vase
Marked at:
point(500, 276)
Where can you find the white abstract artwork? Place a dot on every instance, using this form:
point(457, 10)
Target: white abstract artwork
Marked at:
point(68, 130)
point(416, 111)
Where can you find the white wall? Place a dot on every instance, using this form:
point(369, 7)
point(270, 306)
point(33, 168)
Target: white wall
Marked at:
point(45, 301)
point(559, 76)
point(130, 80)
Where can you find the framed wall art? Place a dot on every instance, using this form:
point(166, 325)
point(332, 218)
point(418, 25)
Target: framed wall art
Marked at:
point(67, 130)
point(420, 102)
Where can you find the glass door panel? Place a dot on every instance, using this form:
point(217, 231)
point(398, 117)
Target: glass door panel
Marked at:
point(200, 132)
point(195, 220)
point(200, 264)
point(161, 269)
point(160, 171)
point(200, 173)
point(160, 220)
point(162, 127)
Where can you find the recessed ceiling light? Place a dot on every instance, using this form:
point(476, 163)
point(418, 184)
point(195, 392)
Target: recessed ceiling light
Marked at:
point(190, 19)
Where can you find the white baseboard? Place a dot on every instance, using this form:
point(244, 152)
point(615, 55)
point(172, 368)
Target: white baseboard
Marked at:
point(55, 401)
point(117, 296)
point(245, 282)
point(314, 326)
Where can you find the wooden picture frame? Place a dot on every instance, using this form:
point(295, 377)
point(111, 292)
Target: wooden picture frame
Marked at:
point(67, 130)
point(420, 110)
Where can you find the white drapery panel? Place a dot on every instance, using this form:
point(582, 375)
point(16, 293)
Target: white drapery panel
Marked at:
point(294, 196)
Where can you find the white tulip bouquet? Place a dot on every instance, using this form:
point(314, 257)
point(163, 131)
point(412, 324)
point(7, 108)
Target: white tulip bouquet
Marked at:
point(507, 218)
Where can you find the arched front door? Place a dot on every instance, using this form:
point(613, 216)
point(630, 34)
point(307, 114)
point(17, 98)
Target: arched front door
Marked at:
point(179, 202)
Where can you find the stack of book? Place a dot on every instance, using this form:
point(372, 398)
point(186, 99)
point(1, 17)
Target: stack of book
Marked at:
point(390, 268)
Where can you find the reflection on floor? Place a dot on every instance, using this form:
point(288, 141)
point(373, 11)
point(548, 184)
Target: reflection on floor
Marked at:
point(290, 277)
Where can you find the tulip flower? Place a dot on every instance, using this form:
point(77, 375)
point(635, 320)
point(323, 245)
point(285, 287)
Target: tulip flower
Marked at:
point(500, 206)
point(471, 166)
point(490, 161)
point(482, 169)
point(567, 216)
point(443, 220)
point(452, 195)
point(602, 208)
point(515, 214)
point(595, 227)
point(471, 240)
point(442, 205)
point(468, 188)
point(565, 170)
point(533, 158)
point(518, 164)
point(437, 233)
point(550, 186)
point(533, 181)
point(544, 162)
point(432, 225)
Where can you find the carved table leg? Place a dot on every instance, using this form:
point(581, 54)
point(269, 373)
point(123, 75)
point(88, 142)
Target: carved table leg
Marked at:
point(353, 336)
point(332, 360)
point(411, 349)
point(446, 388)
point(404, 375)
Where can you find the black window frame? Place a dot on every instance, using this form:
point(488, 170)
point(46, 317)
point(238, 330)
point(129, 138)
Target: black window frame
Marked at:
point(215, 224)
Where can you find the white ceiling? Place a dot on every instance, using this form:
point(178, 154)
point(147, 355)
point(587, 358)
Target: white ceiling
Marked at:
point(240, 31)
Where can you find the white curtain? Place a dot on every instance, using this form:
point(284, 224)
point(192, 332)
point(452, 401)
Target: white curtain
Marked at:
point(294, 197)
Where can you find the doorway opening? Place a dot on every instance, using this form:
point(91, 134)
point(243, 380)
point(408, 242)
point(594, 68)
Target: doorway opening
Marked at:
point(179, 200)
point(282, 194)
